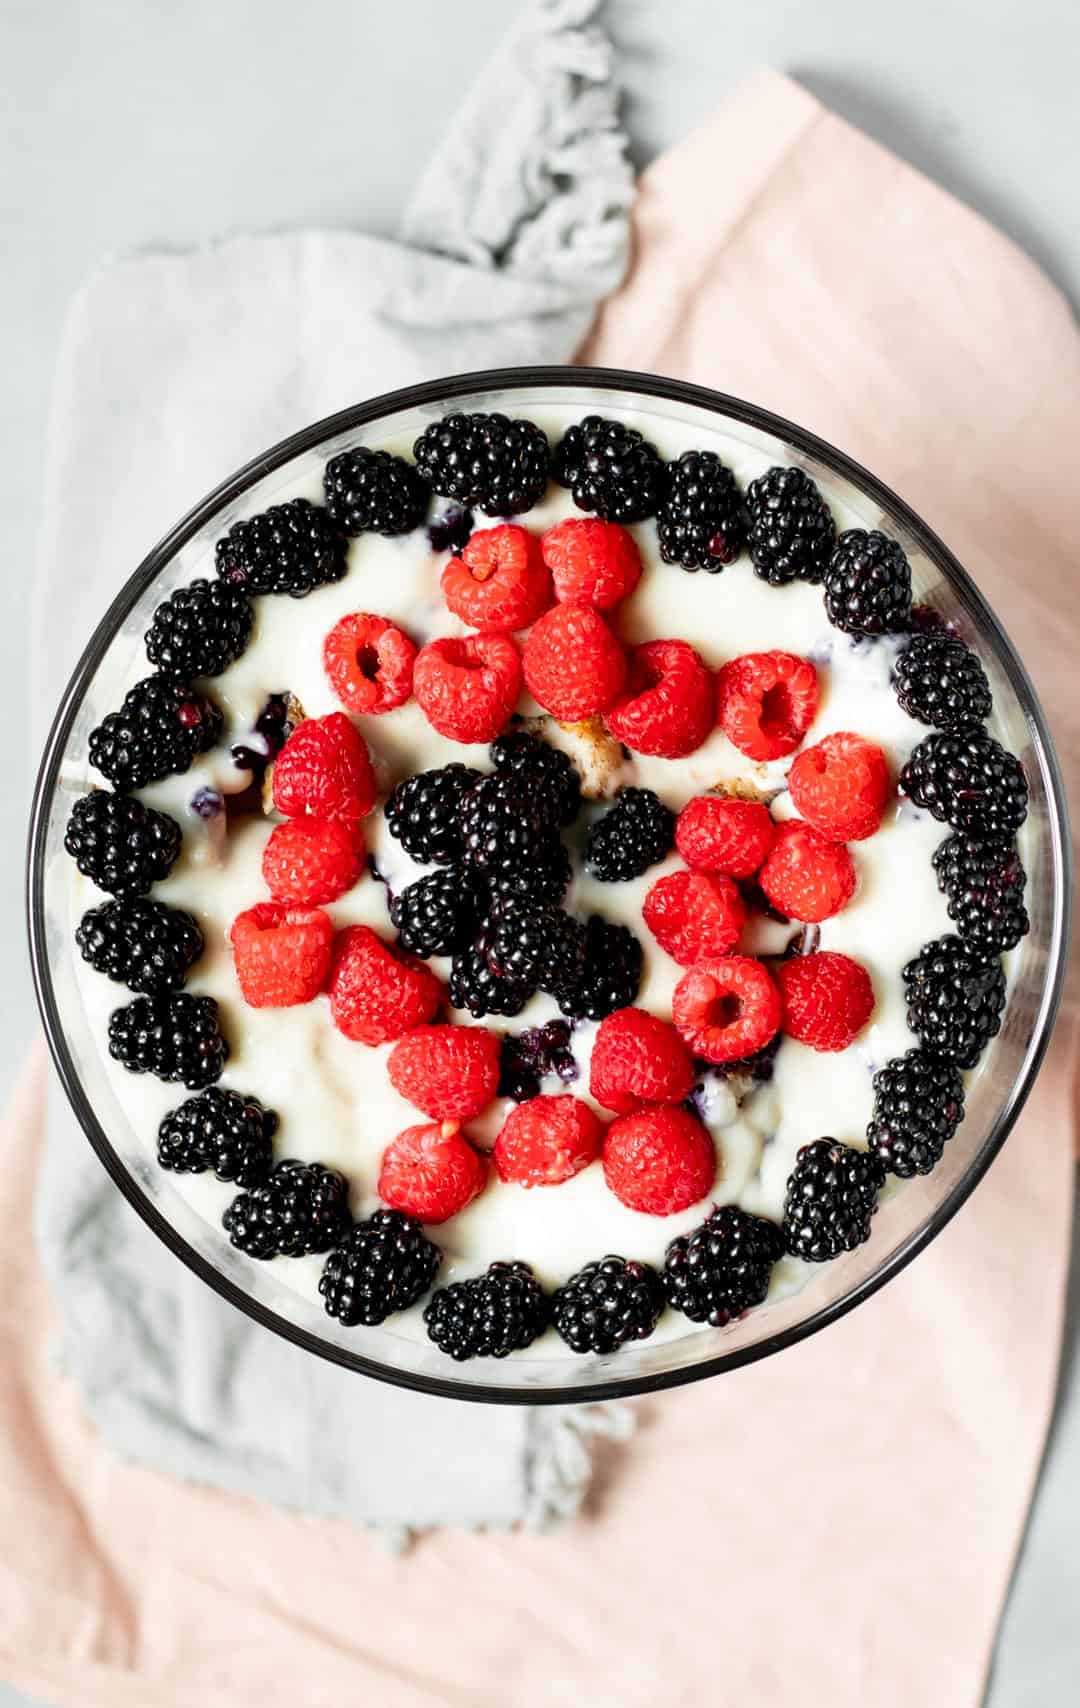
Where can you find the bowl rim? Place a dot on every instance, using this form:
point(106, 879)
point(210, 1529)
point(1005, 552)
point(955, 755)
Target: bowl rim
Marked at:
point(438, 391)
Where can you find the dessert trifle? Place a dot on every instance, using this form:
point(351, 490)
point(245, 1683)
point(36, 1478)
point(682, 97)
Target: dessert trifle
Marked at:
point(546, 881)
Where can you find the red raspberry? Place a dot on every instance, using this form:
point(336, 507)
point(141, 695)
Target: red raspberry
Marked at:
point(431, 1172)
point(450, 1072)
point(282, 954)
point(841, 786)
point(827, 999)
point(807, 877)
point(499, 582)
point(668, 707)
point(714, 834)
point(324, 769)
point(369, 663)
point(312, 860)
point(766, 702)
point(694, 915)
point(467, 688)
point(377, 992)
point(638, 1058)
point(574, 666)
point(591, 562)
point(726, 1009)
point(659, 1161)
point(545, 1141)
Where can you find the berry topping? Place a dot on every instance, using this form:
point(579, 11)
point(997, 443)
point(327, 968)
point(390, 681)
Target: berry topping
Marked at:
point(940, 681)
point(143, 944)
point(174, 1037)
point(827, 998)
point(303, 1207)
point(968, 780)
point(659, 1160)
point(377, 992)
point(792, 533)
point(382, 1266)
point(282, 954)
point(324, 770)
point(766, 702)
point(431, 1172)
point(668, 707)
point(422, 813)
point(450, 1072)
point(525, 756)
point(525, 1060)
point(694, 916)
point(498, 465)
point(831, 1197)
point(535, 945)
point(199, 630)
point(726, 1008)
point(369, 663)
point(638, 1058)
point(308, 861)
point(547, 1140)
point(220, 1132)
point(630, 837)
point(612, 972)
point(606, 1304)
point(610, 469)
point(439, 913)
point(490, 1315)
point(841, 786)
point(591, 562)
point(984, 882)
point(918, 1105)
point(868, 584)
point(477, 989)
point(506, 818)
point(544, 879)
point(279, 717)
point(722, 1268)
point(161, 726)
point(499, 582)
point(955, 996)
point(574, 666)
point(468, 686)
point(291, 548)
point(702, 520)
point(119, 844)
point(449, 530)
point(372, 492)
point(807, 877)
point(732, 838)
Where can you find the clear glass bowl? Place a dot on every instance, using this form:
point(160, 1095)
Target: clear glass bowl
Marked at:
point(905, 1223)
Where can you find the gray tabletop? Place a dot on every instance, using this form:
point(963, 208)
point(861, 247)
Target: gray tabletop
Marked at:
point(126, 124)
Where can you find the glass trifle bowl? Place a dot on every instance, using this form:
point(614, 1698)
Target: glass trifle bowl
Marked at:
point(321, 1083)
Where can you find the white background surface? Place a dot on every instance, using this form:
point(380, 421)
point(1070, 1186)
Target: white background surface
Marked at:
point(131, 123)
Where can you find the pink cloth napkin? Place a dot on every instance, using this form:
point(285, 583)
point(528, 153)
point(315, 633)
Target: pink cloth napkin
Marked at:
point(834, 1525)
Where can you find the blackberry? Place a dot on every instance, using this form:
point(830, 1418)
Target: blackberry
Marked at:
point(450, 529)
point(606, 1304)
point(538, 946)
point(499, 465)
point(119, 844)
point(143, 944)
point(382, 1265)
point(489, 1316)
point(918, 1105)
point(940, 681)
point(528, 1057)
point(520, 755)
point(422, 813)
point(301, 1207)
point(546, 878)
point(719, 1270)
point(984, 883)
point(955, 995)
point(161, 726)
point(611, 976)
point(290, 548)
point(473, 985)
point(868, 584)
point(506, 819)
point(831, 1197)
point(610, 469)
point(702, 520)
point(220, 1132)
point(792, 535)
point(200, 629)
point(175, 1037)
point(968, 780)
point(439, 913)
point(631, 836)
point(372, 492)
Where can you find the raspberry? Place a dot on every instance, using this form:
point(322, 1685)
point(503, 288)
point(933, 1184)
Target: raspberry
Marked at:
point(547, 1140)
point(499, 582)
point(668, 707)
point(694, 916)
point(726, 1008)
point(450, 1072)
point(714, 834)
point(841, 786)
point(468, 687)
point(766, 702)
point(807, 877)
point(312, 860)
point(591, 562)
point(574, 666)
point(378, 993)
point(659, 1161)
point(431, 1172)
point(282, 954)
point(369, 663)
point(827, 999)
point(638, 1058)
point(324, 769)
